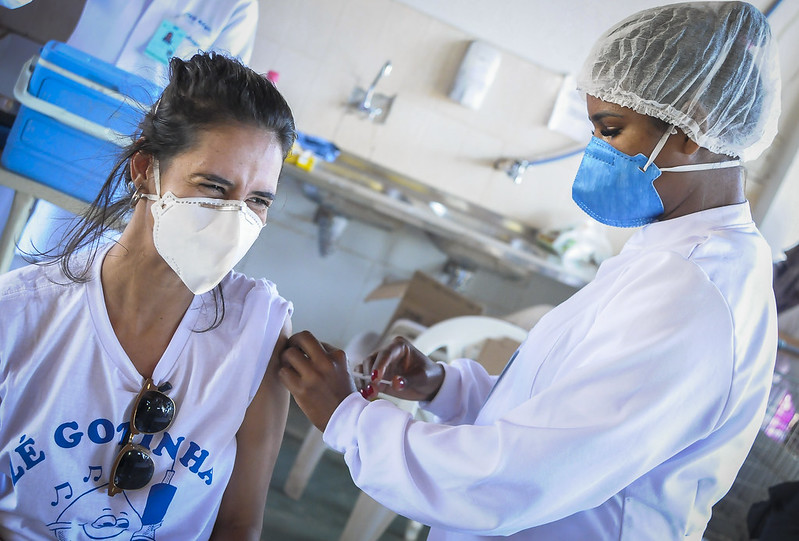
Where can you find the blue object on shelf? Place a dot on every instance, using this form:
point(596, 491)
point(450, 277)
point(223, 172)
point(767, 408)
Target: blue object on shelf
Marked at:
point(320, 147)
point(77, 113)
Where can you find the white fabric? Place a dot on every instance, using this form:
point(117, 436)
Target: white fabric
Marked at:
point(710, 68)
point(66, 389)
point(13, 4)
point(202, 238)
point(625, 415)
point(220, 25)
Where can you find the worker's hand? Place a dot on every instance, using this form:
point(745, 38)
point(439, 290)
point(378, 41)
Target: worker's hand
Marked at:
point(401, 370)
point(316, 375)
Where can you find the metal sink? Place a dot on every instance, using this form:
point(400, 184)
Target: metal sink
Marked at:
point(472, 236)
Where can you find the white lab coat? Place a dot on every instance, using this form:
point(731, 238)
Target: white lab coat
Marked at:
point(14, 4)
point(118, 32)
point(625, 416)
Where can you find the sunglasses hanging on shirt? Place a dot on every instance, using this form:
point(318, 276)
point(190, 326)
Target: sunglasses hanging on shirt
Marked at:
point(152, 412)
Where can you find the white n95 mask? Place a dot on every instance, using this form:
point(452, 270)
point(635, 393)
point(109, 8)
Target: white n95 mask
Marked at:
point(201, 238)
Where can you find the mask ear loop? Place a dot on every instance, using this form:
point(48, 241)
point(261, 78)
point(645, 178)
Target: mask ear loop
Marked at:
point(156, 168)
point(669, 132)
point(157, 177)
point(137, 194)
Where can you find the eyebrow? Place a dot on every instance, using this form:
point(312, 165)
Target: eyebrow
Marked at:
point(226, 182)
point(603, 115)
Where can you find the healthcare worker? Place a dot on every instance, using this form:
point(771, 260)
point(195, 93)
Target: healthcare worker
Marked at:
point(628, 410)
point(140, 36)
point(139, 396)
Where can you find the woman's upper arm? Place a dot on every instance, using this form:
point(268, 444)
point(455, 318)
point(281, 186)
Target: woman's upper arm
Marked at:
point(258, 442)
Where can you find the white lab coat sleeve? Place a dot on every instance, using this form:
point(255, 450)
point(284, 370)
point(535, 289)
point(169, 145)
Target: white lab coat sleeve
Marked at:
point(464, 391)
point(649, 378)
point(238, 35)
point(14, 4)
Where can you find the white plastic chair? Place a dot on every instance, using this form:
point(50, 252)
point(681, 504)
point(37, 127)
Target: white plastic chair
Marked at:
point(369, 519)
point(313, 447)
point(528, 317)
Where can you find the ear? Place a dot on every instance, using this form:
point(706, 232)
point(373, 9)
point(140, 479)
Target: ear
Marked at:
point(139, 165)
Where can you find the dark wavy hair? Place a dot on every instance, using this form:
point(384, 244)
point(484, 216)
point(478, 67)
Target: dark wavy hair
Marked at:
point(207, 90)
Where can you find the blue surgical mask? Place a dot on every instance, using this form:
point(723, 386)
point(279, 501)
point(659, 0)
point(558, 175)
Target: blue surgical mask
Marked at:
point(617, 189)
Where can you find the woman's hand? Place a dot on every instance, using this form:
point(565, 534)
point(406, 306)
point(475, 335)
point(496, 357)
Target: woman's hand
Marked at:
point(401, 370)
point(317, 376)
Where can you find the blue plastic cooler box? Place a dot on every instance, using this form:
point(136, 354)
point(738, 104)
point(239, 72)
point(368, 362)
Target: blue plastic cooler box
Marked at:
point(77, 113)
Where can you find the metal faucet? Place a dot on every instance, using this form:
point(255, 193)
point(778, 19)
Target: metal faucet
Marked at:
point(515, 169)
point(374, 106)
point(366, 104)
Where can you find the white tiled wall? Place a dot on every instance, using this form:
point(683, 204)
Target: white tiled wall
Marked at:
point(324, 48)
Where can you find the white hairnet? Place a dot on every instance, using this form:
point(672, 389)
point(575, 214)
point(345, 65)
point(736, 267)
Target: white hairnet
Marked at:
point(709, 68)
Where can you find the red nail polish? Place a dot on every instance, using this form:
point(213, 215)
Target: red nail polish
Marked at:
point(401, 382)
point(374, 375)
point(363, 393)
point(369, 390)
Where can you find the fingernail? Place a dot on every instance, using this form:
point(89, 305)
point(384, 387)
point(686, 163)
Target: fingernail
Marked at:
point(363, 393)
point(369, 390)
point(400, 383)
point(374, 375)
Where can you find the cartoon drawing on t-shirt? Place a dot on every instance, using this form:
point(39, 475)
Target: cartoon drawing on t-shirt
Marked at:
point(108, 523)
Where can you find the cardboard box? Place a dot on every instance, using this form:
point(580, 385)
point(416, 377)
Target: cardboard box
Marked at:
point(425, 300)
point(496, 353)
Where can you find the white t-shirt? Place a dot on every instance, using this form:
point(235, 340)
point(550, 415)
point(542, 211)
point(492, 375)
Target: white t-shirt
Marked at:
point(66, 392)
point(625, 415)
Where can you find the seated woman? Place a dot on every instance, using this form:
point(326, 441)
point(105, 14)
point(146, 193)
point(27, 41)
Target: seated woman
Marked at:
point(138, 387)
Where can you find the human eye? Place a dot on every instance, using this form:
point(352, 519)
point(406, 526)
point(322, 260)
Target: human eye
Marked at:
point(213, 188)
point(605, 131)
point(610, 132)
point(261, 202)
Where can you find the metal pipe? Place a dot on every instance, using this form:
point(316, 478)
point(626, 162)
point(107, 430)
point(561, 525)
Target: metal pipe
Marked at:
point(385, 71)
point(515, 169)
